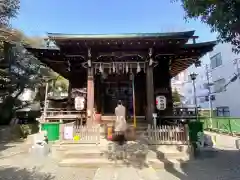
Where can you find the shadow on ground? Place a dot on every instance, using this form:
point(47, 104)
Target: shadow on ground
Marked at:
point(11, 141)
point(23, 174)
point(209, 164)
point(132, 154)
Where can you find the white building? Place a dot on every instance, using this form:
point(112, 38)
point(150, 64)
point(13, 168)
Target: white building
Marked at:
point(224, 65)
point(179, 81)
point(203, 78)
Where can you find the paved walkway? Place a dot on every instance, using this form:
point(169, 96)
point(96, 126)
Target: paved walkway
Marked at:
point(221, 165)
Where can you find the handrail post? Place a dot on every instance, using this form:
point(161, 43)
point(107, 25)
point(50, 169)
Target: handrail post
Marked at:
point(45, 103)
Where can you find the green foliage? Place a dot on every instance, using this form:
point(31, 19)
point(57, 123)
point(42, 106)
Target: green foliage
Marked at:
point(222, 16)
point(18, 70)
point(176, 96)
point(8, 9)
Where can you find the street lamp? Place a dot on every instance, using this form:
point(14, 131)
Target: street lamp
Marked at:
point(193, 78)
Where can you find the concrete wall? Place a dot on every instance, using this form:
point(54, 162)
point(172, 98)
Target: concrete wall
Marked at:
point(223, 141)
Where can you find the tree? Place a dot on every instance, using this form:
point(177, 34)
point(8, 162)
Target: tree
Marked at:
point(19, 70)
point(222, 16)
point(8, 9)
point(176, 96)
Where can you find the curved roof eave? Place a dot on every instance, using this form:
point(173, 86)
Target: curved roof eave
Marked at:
point(60, 36)
point(201, 44)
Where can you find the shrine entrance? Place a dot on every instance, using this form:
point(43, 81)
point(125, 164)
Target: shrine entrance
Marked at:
point(123, 86)
point(103, 63)
point(117, 87)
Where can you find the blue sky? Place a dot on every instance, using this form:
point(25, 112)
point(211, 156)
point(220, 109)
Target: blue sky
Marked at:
point(37, 17)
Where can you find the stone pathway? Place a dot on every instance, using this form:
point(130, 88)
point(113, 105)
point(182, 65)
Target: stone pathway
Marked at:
point(220, 165)
point(125, 173)
point(13, 148)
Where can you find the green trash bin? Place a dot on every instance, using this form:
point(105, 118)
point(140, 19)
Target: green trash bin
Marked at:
point(194, 128)
point(52, 130)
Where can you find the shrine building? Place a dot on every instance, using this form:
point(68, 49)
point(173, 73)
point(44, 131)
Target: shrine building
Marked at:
point(134, 68)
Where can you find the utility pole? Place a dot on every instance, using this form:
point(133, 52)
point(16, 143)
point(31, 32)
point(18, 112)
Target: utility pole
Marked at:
point(209, 92)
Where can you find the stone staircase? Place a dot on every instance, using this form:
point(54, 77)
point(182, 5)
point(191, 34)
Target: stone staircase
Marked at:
point(94, 156)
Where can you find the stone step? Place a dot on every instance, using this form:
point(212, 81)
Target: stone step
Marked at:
point(103, 162)
point(58, 151)
point(88, 163)
point(124, 173)
point(117, 174)
point(166, 163)
point(76, 147)
point(81, 154)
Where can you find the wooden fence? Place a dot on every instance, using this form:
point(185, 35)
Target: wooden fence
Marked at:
point(167, 135)
point(82, 134)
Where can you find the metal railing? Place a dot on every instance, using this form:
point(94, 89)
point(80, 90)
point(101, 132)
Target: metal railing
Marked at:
point(228, 125)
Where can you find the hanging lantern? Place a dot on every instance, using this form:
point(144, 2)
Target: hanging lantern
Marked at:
point(138, 68)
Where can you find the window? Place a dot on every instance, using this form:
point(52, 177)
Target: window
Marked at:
point(223, 111)
point(219, 85)
point(216, 60)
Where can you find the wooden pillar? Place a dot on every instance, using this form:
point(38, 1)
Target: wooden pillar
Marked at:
point(163, 86)
point(90, 95)
point(69, 96)
point(150, 93)
point(97, 92)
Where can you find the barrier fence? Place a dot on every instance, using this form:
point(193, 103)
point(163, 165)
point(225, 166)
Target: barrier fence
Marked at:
point(227, 125)
point(78, 133)
point(167, 134)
